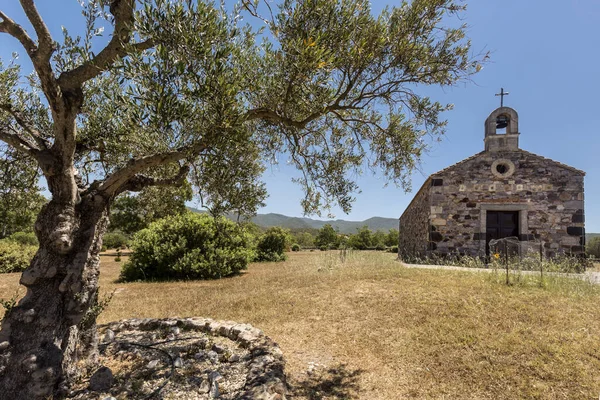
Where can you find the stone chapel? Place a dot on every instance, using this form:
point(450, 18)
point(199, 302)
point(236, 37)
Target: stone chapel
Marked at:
point(503, 191)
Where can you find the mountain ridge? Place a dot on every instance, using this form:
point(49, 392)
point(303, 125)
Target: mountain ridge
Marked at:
point(299, 223)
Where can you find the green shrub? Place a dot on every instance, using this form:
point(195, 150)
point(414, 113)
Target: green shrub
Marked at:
point(25, 238)
point(393, 249)
point(115, 240)
point(323, 248)
point(362, 240)
point(272, 244)
point(188, 246)
point(593, 247)
point(380, 247)
point(295, 247)
point(15, 257)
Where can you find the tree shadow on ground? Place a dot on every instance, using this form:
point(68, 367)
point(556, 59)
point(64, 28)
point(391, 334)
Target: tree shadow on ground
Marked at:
point(338, 382)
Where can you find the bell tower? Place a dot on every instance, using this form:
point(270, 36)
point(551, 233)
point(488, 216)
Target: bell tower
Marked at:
point(502, 130)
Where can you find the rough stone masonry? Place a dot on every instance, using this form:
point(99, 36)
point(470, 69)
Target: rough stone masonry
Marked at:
point(500, 192)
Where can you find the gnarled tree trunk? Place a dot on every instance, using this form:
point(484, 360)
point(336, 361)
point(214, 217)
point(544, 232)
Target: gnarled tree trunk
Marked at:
point(40, 336)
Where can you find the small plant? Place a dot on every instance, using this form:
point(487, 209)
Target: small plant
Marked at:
point(295, 247)
point(118, 257)
point(9, 304)
point(471, 262)
point(98, 305)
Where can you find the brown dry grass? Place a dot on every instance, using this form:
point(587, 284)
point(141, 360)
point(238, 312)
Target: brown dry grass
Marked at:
point(380, 331)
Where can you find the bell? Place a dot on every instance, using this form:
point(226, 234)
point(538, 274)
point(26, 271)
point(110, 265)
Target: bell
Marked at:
point(501, 122)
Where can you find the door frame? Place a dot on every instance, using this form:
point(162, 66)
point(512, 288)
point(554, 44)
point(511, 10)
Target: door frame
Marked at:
point(485, 207)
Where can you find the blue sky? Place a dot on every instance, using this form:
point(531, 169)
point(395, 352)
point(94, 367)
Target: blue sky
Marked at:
point(544, 52)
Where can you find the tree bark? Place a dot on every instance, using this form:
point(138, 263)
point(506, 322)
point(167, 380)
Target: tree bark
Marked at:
point(40, 340)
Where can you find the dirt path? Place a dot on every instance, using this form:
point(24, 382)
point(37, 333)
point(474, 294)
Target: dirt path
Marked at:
point(592, 276)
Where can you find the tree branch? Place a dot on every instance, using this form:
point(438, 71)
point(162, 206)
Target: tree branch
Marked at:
point(41, 142)
point(113, 184)
point(40, 56)
point(137, 183)
point(19, 143)
point(15, 30)
point(45, 42)
point(270, 115)
point(122, 10)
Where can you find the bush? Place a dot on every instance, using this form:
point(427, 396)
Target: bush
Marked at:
point(295, 247)
point(327, 237)
point(593, 247)
point(362, 240)
point(272, 244)
point(393, 249)
point(380, 247)
point(15, 257)
point(115, 240)
point(323, 248)
point(25, 238)
point(188, 246)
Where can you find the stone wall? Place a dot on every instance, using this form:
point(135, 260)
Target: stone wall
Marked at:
point(548, 195)
point(414, 225)
point(258, 373)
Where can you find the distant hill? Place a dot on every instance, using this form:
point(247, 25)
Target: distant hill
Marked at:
point(296, 223)
point(374, 223)
point(588, 236)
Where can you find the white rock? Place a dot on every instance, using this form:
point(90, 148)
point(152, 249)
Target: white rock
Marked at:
point(212, 356)
point(178, 363)
point(109, 335)
point(204, 387)
point(152, 364)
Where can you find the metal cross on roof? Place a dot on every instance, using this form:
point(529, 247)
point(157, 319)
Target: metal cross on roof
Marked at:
point(502, 94)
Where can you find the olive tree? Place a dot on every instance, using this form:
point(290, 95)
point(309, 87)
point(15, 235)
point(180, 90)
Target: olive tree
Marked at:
point(186, 90)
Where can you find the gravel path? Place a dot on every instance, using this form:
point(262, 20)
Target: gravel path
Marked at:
point(594, 277)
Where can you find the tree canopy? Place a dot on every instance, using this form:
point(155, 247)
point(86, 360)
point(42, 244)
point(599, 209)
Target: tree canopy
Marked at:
point(187, 86)
point(327, 237)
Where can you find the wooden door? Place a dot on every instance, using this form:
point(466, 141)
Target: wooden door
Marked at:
point(501, 224)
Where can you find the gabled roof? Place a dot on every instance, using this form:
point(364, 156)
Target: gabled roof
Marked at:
point(451, 167)
point(565, 166)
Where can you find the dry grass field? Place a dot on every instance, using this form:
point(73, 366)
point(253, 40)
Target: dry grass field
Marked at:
point(376, 330)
